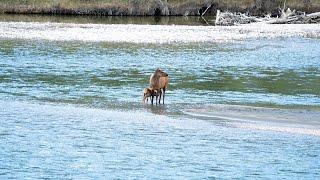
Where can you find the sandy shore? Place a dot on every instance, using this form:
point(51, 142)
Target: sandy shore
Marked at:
point(296, 121)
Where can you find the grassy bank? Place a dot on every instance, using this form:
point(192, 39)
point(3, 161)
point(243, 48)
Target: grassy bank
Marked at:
point(151, 7)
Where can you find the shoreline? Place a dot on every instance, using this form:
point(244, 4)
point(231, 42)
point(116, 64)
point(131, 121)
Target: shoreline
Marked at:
point(163, 20)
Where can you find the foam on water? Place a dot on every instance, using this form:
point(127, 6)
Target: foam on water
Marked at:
point(150, 33)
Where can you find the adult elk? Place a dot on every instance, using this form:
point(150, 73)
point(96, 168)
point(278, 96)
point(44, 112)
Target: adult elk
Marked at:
point(159, 81)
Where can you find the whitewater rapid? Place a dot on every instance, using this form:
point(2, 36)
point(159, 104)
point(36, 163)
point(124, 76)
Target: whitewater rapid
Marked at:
point(151, 33)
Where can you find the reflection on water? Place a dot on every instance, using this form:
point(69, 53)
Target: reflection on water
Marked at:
point(172, 20)
point(158, 110)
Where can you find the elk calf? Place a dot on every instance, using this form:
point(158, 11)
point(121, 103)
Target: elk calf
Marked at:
point(150, 93)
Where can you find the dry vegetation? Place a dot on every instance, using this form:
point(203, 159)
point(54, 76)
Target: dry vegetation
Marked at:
point(151, 7)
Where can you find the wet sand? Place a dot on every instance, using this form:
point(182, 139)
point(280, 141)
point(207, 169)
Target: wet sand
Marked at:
point(298, 121)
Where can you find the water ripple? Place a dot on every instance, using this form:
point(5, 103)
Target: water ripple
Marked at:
point(149, 33)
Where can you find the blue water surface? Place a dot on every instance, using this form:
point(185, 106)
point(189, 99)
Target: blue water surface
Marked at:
point(72, 110)
point(62, 142)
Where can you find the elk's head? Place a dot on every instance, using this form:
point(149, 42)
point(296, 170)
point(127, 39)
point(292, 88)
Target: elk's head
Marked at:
point(160, 73)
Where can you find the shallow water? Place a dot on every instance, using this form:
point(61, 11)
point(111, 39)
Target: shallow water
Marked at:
point(244, 72)
point(50, 141)
point(70, 100)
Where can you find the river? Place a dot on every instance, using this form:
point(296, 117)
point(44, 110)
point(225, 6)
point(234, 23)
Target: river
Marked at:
point(243, 102)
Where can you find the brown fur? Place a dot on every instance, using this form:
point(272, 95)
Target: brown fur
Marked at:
point(159, 80)
point(147, 92)
point(150, 93)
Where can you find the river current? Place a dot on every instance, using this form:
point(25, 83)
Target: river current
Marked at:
point(70, 101)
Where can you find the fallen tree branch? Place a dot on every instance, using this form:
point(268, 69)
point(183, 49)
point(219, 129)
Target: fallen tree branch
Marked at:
point(287, 17)
point(314, 15)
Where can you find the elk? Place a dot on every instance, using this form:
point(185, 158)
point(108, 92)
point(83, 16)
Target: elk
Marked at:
point(150, 93)
point(159, 81)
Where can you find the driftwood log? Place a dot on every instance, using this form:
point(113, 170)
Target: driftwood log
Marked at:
point(287, 17)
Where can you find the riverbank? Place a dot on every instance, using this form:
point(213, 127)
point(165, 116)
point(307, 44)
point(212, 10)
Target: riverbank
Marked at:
point(152, 7)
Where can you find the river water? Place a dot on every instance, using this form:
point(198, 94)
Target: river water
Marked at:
point(70, 100)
